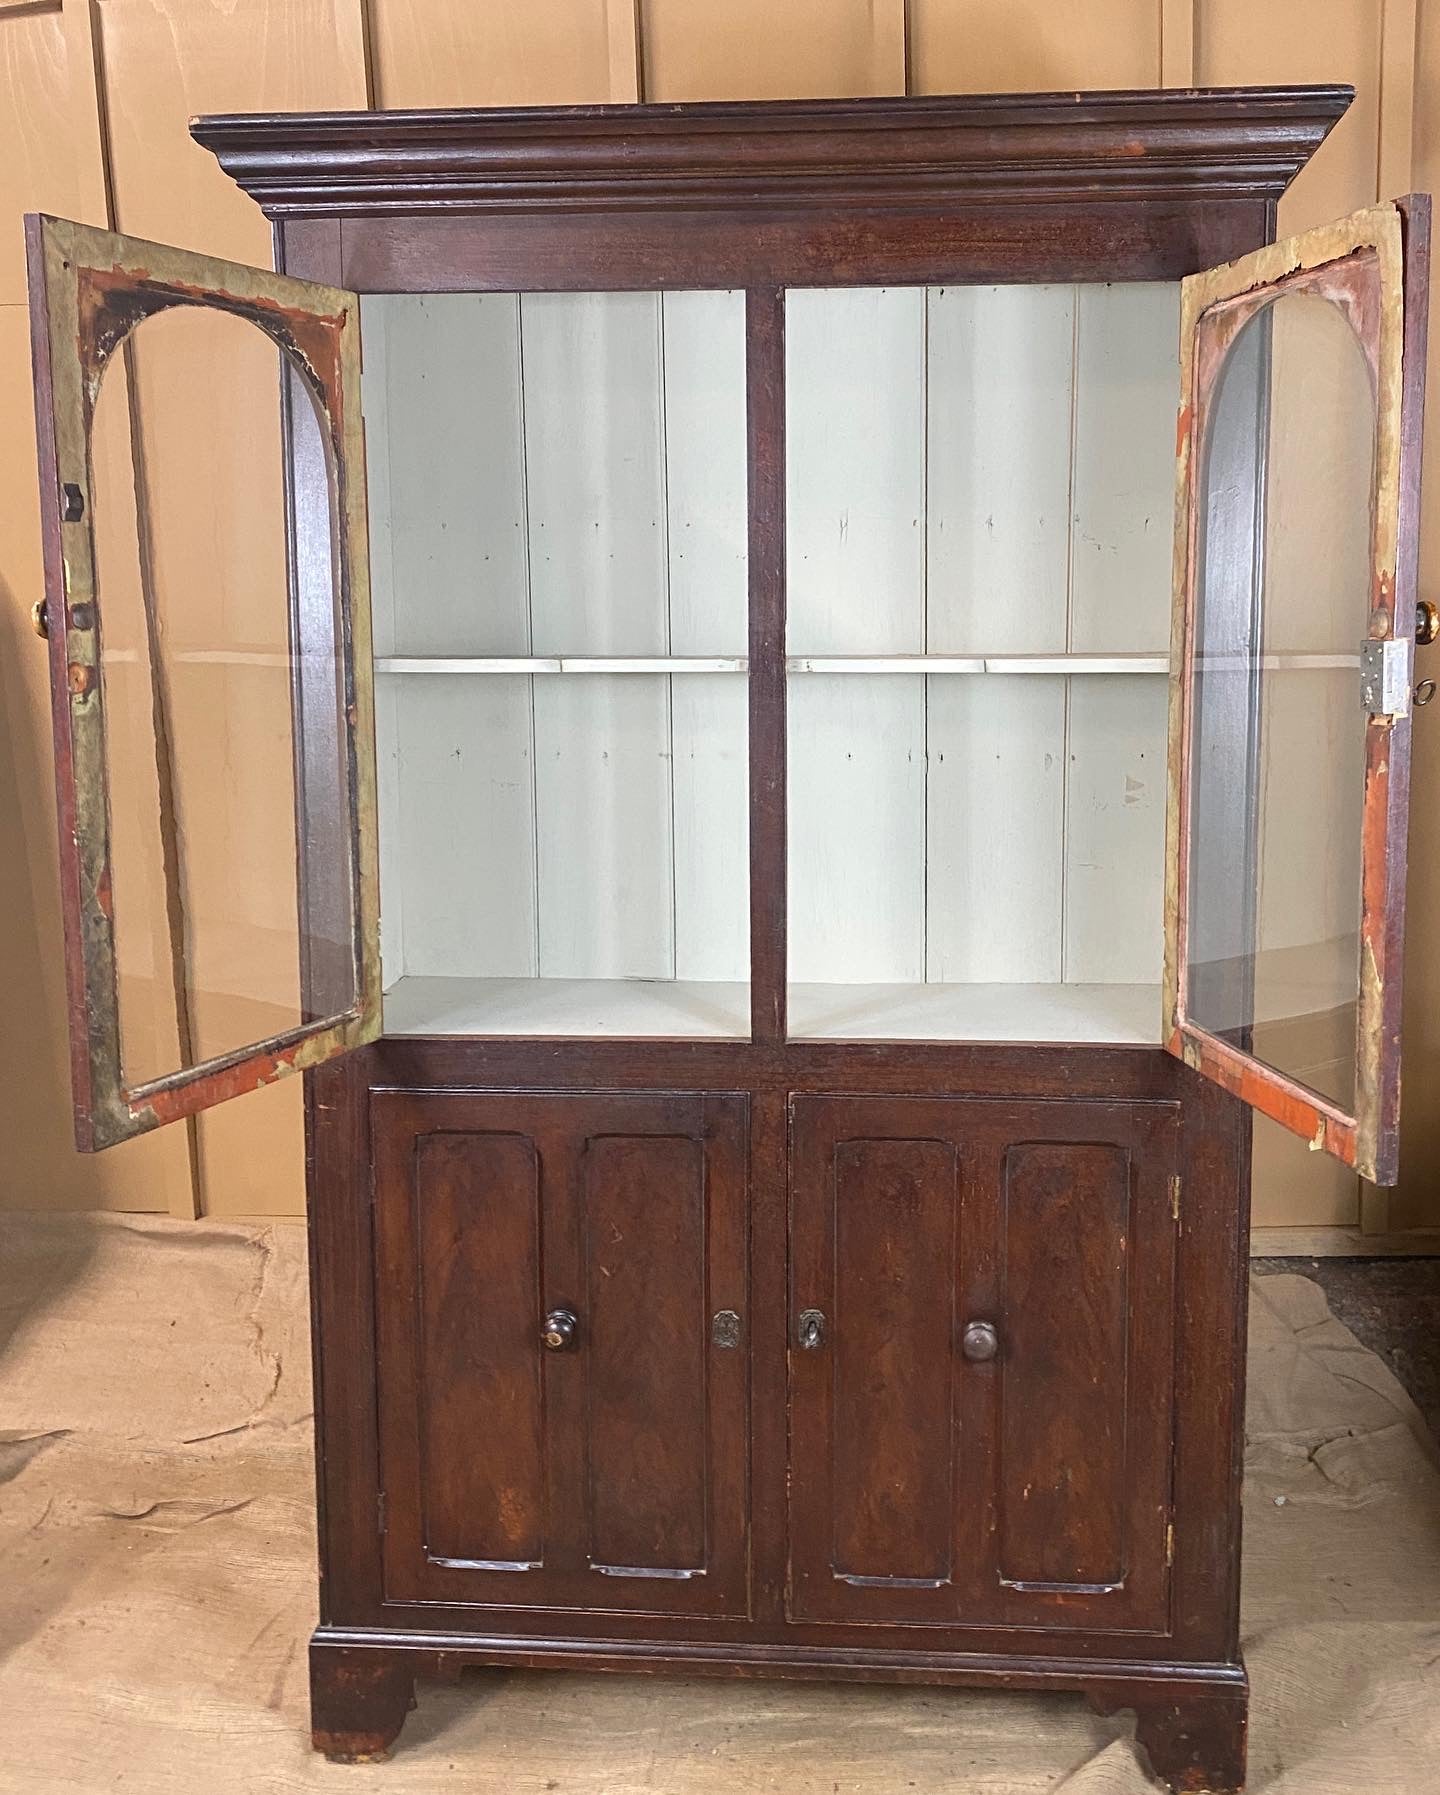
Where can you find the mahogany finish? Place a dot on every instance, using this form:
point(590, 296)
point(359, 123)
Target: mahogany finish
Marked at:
point(903, 1362)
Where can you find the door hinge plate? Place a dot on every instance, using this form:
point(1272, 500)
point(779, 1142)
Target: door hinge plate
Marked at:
point(1385, 670)
point(1170, 1544)
point(1175, 1196)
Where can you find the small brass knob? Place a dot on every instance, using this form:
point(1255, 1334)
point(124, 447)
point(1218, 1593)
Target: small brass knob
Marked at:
point(40, 619)
point(980, 1341)
point(558, 1332)
point(1427, 623)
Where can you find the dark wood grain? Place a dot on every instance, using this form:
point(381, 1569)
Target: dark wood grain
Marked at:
point(609, 1474)
point(646, 1309)
point(1063, 1368)
point(765, 439)
point(480, 1397)
point(765, 158)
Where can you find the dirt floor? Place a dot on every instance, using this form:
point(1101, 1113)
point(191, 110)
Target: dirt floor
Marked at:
point(156, 1517)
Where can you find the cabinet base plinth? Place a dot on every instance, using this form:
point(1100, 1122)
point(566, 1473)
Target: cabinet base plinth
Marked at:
point(1190, 1719)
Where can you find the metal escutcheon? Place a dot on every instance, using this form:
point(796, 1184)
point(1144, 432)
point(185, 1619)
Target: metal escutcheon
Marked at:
point(810, 1330)
point(559, 1330)
point(980, 1341)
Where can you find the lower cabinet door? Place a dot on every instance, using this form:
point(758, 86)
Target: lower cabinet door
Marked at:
point(982, 1362)
point(562, 1316)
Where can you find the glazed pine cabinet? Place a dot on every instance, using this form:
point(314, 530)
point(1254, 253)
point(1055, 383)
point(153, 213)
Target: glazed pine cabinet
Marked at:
point(729, 683)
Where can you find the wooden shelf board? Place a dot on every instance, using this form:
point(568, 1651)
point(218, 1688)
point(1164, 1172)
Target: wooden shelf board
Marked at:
point(419, 1005)
point(796, 663)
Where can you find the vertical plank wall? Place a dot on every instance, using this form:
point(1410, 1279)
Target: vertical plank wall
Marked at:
point(590, 501)
point(978, 471)
point(95, 86)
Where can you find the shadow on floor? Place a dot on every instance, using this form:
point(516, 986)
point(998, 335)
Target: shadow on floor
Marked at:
point(1392, 1306)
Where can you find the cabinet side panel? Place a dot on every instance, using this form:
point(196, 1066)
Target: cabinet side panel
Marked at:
point(644, 1227)
point(896, 1218)
point(477, 1223)
point(1066, 1244)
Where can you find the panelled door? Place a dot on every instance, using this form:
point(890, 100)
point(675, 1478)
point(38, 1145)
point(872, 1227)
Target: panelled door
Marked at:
point(981, 1361)
point(563, 1321)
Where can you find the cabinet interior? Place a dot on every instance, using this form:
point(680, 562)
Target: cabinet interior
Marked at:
point(979, 496)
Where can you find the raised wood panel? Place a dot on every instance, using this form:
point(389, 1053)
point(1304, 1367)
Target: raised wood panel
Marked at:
point(501, 53)
point(1065, 1370)
point(1306, 40)
point(612, 1473)
point(891, 1314)
point(477, 1224)
point(645, 1271)
point(812, 48)
point(999, 46)
point(1044, 1494)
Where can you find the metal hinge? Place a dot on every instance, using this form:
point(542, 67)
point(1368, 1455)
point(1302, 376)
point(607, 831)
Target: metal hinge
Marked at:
point(1385, 672)
point(1175, 1196)
point(1170, 1544)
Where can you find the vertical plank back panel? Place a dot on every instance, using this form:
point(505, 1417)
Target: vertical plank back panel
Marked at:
point(996, 46)
point(813, 48)
point(51, 159)
point(501, 53)
point(161, 64)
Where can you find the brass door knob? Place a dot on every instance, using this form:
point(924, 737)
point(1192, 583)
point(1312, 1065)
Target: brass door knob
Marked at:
point(980, 1341)
point(1427, 623)
point(558, 1331)
point(40, 619)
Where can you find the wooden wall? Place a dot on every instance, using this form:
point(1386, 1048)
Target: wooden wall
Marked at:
point(94, 97)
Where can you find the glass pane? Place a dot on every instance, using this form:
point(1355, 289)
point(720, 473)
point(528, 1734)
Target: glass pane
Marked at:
point(198, 659)
point(1284, 499)
point(558, 505)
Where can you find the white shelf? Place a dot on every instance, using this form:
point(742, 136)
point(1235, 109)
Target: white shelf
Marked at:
point(619, 1008)
point(796, 663)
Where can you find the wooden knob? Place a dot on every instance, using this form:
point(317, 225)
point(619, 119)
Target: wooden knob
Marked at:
point(559, 1330)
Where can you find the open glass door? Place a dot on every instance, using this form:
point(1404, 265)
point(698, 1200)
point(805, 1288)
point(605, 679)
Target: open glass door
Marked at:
point(1291, 673)
point(211, 671)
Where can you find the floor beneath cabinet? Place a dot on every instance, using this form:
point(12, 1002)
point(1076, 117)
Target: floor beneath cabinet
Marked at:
point(156, 1520)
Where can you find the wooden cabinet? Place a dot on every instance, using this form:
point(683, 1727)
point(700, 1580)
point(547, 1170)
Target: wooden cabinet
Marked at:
point(982, 1361)
point(563, 1380)
point(782, 952)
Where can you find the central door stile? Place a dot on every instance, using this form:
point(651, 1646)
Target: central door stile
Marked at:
point(765, 439)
